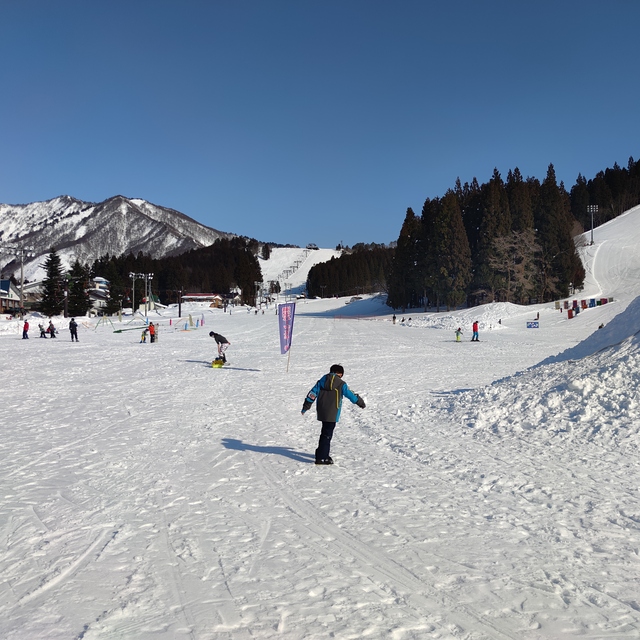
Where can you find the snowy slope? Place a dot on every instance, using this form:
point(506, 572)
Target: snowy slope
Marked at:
point(480, 495)
point(292, 266)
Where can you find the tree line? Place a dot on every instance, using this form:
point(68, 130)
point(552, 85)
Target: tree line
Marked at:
point(503, 240)
point(219, 268)
point(361, 269)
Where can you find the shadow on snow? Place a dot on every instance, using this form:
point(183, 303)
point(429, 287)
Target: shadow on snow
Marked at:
point(238, 445)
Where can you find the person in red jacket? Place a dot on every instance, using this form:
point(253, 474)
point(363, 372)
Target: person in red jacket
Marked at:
point(25, 330)
point(474, 337)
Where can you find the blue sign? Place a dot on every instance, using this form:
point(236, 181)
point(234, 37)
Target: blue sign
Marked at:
point(534, 324)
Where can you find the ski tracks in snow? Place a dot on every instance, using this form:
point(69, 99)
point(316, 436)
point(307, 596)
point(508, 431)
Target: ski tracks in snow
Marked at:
point(419, 606)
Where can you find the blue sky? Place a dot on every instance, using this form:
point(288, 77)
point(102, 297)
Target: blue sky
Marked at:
point(299, 121)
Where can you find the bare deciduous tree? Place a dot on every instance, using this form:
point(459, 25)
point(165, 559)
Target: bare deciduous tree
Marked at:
point(514, 261)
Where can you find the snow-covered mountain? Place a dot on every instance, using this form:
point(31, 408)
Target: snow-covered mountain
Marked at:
point(87, 230)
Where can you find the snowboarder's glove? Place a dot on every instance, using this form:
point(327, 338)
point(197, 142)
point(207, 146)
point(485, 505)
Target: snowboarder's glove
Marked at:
point(306, 405)
point(360, 402)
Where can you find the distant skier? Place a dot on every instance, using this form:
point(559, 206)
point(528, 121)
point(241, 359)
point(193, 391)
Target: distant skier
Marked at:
point(152, 332)
point(73, 329)
point(329, 391)
point(458, 334)
point(222, 342)
point(43, 331)
point(25, 330)
point(474, 337)
point(51, 330)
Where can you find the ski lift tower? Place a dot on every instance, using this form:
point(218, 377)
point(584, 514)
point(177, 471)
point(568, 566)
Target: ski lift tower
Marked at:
point(22, 253)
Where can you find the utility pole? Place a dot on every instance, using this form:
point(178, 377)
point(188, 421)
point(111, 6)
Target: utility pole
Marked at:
point(22, 253)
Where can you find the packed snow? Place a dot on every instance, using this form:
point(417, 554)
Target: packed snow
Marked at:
point(488, 490)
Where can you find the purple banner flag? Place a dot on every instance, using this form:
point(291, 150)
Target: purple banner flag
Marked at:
point(286, 313)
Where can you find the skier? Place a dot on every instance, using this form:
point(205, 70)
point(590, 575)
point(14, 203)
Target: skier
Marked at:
point(43, 332)
point(25, 330)
point(329, 391)
point(474, 337)
point(73, 329)
point(223, 344)
point(458, 334)
point(152, 332)
point(51, 330)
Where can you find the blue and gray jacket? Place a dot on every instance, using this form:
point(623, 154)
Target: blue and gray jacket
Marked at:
point(329, 391)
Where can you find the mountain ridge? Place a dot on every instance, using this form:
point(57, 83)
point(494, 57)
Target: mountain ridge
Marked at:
point(88, 230)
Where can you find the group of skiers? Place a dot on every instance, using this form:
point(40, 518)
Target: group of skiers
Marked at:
point(51, 330)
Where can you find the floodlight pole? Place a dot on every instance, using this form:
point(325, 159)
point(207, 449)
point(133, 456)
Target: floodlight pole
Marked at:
point(147, 277)
point(20, 252)
point(592, 208)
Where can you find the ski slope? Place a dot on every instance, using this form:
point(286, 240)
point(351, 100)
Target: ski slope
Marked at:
point(488, 491)
point(290, 266)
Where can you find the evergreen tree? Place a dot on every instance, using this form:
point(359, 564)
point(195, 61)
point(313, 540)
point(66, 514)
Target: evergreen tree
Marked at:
point(520, 201)
point(580, 202)
point(404, 281)
point(451, 254)
point(52, 302)
point(78, 301)
point(558, 252)
point(470, 202)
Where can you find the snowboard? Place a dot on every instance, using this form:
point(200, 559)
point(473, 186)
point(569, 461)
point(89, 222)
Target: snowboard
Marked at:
point(218, 363)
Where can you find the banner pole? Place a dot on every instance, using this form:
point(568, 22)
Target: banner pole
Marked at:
point(288, 358)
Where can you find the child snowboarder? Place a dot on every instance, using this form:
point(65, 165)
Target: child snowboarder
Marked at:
point(329, 391)
point(458, 334)
point(223, 344)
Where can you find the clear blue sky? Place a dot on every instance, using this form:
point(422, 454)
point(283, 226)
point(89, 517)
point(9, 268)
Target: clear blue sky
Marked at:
point(300, 121)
